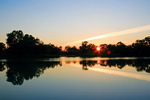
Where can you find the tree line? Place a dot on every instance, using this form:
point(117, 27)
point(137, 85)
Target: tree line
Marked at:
point(20, 44)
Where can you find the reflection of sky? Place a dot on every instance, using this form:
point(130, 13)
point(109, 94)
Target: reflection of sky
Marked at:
point(120, 73)
point(70, 82)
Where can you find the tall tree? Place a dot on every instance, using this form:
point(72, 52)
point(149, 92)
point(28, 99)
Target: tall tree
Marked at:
point(147, 39)
point(18, 43)
point(2, 47)
point(83, 47)
point(14, 37)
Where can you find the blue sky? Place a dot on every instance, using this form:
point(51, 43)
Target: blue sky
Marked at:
point(64, 21)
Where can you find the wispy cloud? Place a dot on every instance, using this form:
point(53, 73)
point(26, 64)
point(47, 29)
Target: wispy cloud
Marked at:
point(128, 31)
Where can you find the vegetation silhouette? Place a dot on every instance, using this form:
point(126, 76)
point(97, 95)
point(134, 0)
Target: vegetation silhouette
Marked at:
point(2, 68)
point(72, 51)
point(139, 64)
point(85, 64)
point(2, 50)
point(25, 45)
point(20, 44)
point(18, 71)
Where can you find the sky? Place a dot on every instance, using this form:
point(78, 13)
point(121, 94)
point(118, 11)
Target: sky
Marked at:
point(63, 22)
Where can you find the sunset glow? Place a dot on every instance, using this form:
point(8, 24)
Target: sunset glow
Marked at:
point(128, 31)
point(98, 48)
point(123, 32)
point(75, 49)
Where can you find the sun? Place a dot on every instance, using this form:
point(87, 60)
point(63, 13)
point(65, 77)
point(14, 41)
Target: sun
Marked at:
point(98, 48)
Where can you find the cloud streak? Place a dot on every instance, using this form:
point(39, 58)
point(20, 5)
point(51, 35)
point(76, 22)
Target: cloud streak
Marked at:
point(124, 32)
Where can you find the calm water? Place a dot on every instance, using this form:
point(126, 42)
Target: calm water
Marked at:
point(74, 78)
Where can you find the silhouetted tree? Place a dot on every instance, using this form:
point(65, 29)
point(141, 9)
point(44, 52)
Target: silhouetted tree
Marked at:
point(14, 37)
point(103, 50)
point(48, 49)
point(2, 47)
point(112, 48)
point(91, 48)
point(121, 49)
point(71, 50)
point(141, 47)
point(87, 49)
point(83, 47)
point(2, 50)
point(20, 44)
point(2, 66)
point(147, 39)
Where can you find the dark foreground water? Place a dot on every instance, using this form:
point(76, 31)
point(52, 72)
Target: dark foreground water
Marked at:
point(75, 78)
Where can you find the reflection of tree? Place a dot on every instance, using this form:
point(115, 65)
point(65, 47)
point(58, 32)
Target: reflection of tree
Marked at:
point(116, 63)
point(103, 62)
point(2, 68)
point(68, 62)
point(140, 65)
point(86, 64)
point(19, 71)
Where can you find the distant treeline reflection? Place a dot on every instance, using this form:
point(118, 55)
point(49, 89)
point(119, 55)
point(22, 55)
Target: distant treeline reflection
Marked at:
point(140, 65)
point(17, 72)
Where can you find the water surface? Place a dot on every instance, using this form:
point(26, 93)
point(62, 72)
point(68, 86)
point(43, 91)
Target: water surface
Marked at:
point(75, 78)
